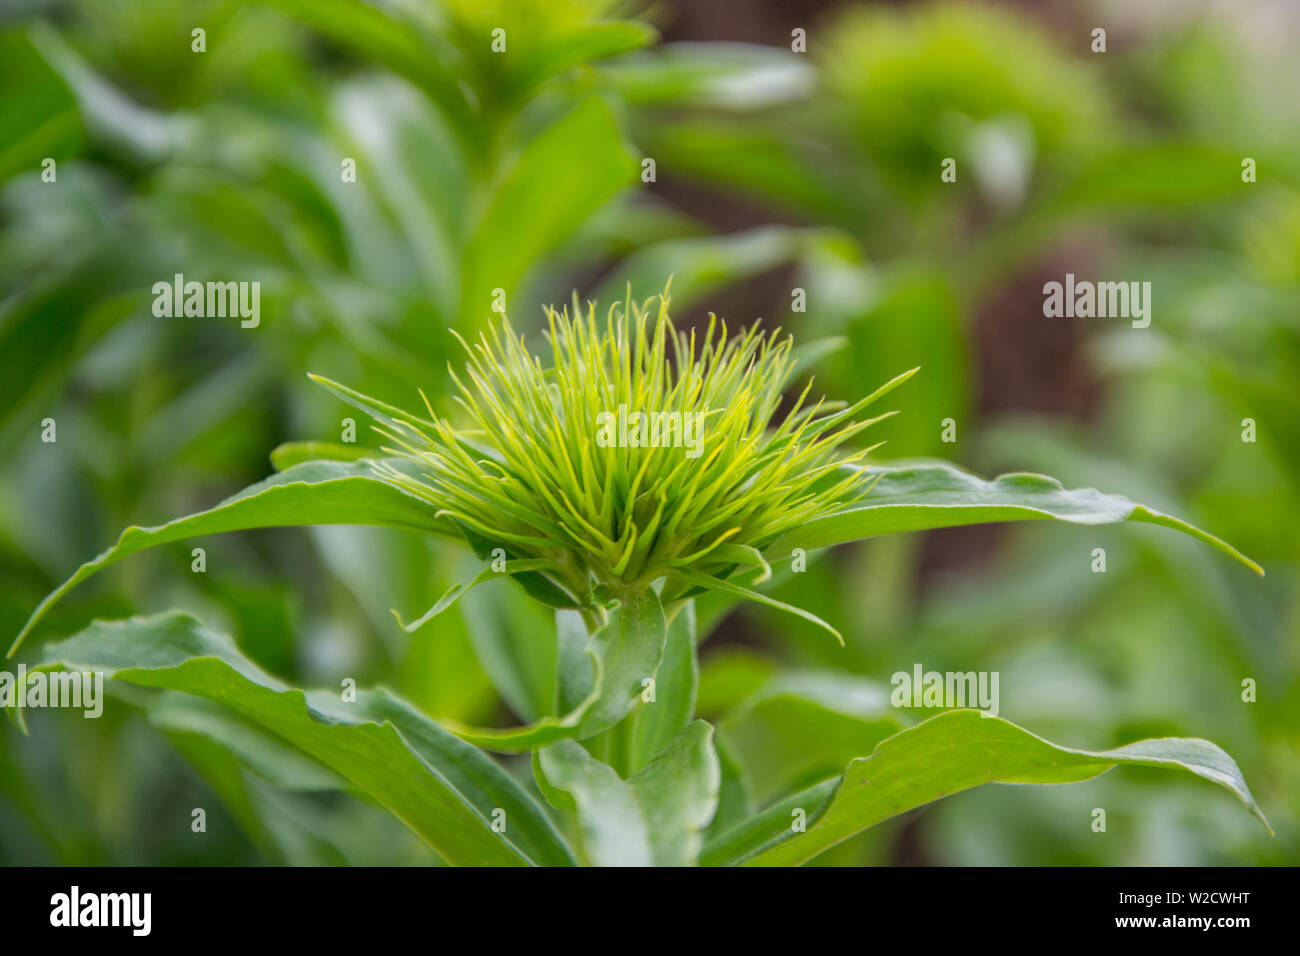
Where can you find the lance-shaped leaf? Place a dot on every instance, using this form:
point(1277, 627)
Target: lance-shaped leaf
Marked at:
point(733, 845)
point(917, 497)
point(709, 583)
point(619, 656)
point(954, 751)
point(456, 591)
point(259, 750)
point(658, 721)
point(444, 789)
point(655, 817)
point(583, 162)
point(314, 493)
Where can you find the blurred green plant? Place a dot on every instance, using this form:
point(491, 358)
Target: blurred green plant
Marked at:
point(625, 534)
point(1142, 169)
point(228, 163)
point(480, 170)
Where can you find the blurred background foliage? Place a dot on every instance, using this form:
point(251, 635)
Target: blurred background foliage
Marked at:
point(774, 171)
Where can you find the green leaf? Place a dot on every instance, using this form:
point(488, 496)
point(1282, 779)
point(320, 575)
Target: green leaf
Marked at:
point(441, 787)
point(613, 829)
point(1133, 179)
point(676, 683)
point(917, 497)
point(755, 162)
point(655, 817)
point(678, 793)
point(418, 177)
point(398, 45)
point(292, 453)
point(733, 76)
point(117, 124)
point(380, 411)
point(314, 493)
point(578, 44)
point(906, 317)
point(538, 585)
point(48, 325)
point(256, 748)
point(622, 653)
point(731, 846)
point(575, 678)
point(954, 751)
point(696, 579)
point(225, 775)
point(381, 569)
point(454, 593)
point(565, 174)
point(511, 637)
point(41, 119)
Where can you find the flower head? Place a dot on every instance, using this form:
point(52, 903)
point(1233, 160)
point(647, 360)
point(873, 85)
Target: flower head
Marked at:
point(635, 452)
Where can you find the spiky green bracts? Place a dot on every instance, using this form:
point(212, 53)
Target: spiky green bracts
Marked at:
point(701, 480)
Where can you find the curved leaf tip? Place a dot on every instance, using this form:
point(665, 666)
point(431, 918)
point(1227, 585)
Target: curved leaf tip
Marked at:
point(919, 496)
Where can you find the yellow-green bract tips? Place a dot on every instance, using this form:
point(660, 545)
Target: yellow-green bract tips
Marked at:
point(636, 451)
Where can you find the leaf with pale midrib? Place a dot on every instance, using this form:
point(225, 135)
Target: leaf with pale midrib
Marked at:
point(315, 493)
point(921, 496)
point(948, 753)
point(676, 682)
point(441, 787)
